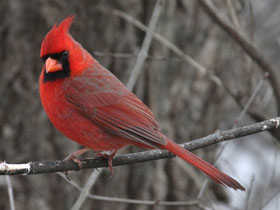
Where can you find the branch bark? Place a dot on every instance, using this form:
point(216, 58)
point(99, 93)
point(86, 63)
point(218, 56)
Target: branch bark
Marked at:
point(41, 167)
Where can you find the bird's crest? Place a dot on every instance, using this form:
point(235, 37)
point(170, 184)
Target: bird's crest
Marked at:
point(58, 38)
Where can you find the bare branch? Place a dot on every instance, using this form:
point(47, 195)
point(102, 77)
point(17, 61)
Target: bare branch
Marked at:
point(265, 192)
point(246, 45)
point(85, 191)
point(59, 166)
point(10, 192)
point(171, 47)
point(237, 122)
point(233, 15)
point(249, 193)
point(134, 56)
point(249, 102)
point(146, 45)
point(133, 201)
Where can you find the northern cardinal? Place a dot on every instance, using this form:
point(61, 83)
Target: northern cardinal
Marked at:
point(89, 105)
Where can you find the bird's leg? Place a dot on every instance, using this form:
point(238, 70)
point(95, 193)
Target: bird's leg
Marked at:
point(76, 154)
point(74, 158)
point(109, 155)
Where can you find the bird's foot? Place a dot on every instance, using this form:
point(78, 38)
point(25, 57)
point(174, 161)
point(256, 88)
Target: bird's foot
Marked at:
point(109, 155)
point(74, 156)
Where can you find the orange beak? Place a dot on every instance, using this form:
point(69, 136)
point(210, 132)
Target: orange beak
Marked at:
point(53, 65)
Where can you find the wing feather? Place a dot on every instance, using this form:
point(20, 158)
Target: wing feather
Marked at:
point(104, 100)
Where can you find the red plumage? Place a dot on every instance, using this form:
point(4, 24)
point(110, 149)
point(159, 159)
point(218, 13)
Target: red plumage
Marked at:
point(89, 105)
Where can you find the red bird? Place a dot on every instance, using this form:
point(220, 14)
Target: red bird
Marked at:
point(89, 105)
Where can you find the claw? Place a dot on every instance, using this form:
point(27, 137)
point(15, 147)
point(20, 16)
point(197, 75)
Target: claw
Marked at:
point(110, 157)
point(74, 158)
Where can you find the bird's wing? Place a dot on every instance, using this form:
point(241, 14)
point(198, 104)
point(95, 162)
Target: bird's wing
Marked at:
point(99, 96)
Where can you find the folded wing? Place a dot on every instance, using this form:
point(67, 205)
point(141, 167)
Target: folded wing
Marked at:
point(109, 105)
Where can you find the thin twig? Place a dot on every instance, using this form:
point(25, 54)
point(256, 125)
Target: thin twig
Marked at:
point(198, 180)
point(85, 190)
point(257, 116)
point(10, 193)
point(246, 45)
point(74, 184)
point(244, 110)
point(250, 190)
point(144, 202)
point(249, 102)
point(233, 15)
point(130, 201)
point(262, 204)
point(146, 45)
point(134, 56)
point(61, 166)
point(171, 47)
point(240, 117)
point(269, 199)
point(202, 189)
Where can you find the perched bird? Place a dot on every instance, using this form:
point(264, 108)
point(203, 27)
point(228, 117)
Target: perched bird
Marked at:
point(89, 105)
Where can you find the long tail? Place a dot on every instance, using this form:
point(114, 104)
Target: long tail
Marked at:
point(211, 171)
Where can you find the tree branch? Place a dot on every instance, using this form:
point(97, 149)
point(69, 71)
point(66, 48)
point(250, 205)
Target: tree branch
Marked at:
point(10, 193)
point(246, 45)
point(185, 57)
point(41, 167)
point(171, 47)
point(129, 200)
point(84, 192)
point(145, 46)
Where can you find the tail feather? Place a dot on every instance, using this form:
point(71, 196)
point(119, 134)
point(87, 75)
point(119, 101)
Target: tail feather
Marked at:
point(211, 171)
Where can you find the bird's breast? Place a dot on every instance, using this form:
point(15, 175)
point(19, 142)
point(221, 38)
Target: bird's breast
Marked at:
point(72, 124)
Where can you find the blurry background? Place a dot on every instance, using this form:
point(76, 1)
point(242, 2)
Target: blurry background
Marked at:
point(188, 104)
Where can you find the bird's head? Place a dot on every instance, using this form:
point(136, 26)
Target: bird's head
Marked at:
point(62, 55)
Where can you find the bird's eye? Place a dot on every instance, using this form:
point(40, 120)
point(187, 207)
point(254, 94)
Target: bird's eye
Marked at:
point(64, 54)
